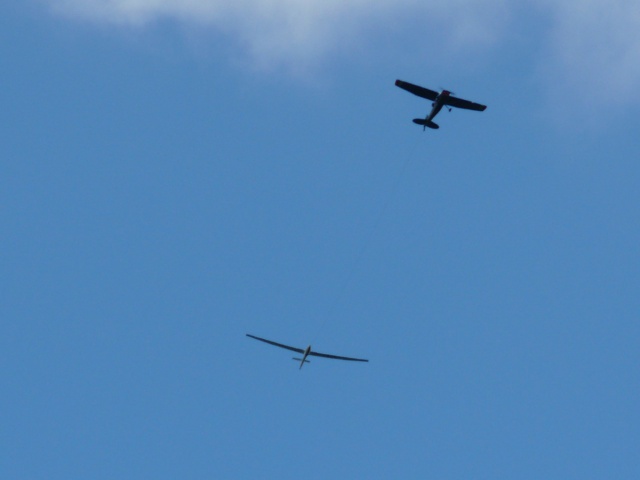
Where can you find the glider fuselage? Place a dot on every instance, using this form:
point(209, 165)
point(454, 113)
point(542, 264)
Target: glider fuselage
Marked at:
point(306, 353)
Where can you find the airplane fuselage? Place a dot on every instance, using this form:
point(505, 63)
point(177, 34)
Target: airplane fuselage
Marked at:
point(437, 105)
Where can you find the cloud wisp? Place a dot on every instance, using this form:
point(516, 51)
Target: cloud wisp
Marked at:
point(292, 32)
point(594, 50)
point(591, 49)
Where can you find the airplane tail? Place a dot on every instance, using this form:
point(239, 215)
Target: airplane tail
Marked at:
point(425, 123)
point(299, 360)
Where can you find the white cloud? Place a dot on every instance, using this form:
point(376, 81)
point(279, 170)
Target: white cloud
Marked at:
point(594, 50)
point(287, 32)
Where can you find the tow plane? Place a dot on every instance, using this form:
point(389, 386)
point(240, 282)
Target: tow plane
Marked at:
point(443, 99)
point(306, 352)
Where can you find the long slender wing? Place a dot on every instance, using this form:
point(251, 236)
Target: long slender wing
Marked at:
point(416, 90)
point(326, 355)
point(460, 103)
point(298, 350)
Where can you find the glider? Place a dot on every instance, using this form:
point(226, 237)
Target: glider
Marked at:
point(306, 352)
point(439, 100)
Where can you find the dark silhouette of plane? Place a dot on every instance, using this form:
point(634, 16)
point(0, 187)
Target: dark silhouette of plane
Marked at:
point(306, 352)
point(439, 100)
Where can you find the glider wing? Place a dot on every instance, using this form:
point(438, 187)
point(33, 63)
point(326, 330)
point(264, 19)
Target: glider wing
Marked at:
point(293, 349)
point(336, 357)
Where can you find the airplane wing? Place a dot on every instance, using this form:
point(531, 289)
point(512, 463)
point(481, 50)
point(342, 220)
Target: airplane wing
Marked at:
point(293, 349)
point(416, 90)
point(336, 357)
point(460, 103)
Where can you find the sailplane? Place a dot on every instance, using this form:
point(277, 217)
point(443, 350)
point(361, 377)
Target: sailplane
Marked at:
point(306, 352)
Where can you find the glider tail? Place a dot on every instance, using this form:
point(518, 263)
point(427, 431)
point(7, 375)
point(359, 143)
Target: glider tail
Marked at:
point(302, 361)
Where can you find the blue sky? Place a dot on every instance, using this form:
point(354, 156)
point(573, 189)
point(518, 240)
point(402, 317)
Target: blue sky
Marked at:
point(177, 174)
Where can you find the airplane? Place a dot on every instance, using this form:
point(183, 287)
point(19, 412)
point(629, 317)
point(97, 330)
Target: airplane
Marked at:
point(306, 352)
point(439, 100)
